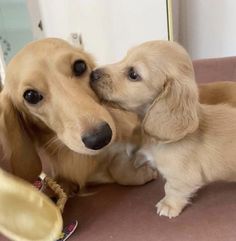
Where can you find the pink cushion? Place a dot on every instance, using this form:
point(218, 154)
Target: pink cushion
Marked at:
point(211, 70)
point(120, 213)
point(128, 213)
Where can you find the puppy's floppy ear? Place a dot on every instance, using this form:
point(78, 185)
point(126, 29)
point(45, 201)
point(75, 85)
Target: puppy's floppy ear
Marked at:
point(174, 113)
point(18, 148)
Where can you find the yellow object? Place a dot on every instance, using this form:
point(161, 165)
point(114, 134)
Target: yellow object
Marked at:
point(25, 213)
point(62, 196)
point(169, 5)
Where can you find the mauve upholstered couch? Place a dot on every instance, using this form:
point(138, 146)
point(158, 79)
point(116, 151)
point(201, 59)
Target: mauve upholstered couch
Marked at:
point(119, 213)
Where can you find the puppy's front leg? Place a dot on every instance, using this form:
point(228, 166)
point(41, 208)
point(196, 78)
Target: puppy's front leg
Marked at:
point(144, 156)
point(124, 172)
point(176, 198)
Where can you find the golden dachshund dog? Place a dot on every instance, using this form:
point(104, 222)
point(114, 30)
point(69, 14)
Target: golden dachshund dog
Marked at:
point(49, 111)
point(218, 93)
point(192, 144)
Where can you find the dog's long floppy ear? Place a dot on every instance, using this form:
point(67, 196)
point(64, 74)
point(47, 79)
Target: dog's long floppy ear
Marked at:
point(18, 149)
point(174, 113)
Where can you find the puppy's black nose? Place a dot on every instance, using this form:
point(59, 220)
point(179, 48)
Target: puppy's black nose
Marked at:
point(98, 138)
point(96, 75)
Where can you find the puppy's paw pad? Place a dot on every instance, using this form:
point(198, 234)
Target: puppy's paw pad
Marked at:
point(154, 173)
point(147, 173)
point(141, 159)
point(164, 208)
point(150, 170)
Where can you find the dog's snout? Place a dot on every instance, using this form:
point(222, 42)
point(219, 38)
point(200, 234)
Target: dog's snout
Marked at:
point(96, 75)
point(98, 138)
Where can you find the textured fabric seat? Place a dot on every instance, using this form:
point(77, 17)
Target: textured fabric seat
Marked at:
point(211, 70)
point(121, 213)
point(128, 213)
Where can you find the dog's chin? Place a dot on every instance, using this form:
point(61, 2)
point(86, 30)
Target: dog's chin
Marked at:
point(106, 100)
point(90, 152)
point(102, 98)
point(85, 151)
point(116, 104)
point(98, 92)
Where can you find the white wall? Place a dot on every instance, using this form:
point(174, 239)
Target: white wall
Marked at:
point(111, 27)
point(35, 16)
point(59, 17)
point(108, 27)
point(2, 67)
point(207, 28)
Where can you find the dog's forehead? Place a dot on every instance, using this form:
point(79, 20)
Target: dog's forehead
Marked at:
point(136, 55)
point(43, 60)
point(45, 53)
point(47, 45)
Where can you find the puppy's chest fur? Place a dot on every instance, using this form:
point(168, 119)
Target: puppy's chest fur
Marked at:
point(207, 155)
point(175, 161)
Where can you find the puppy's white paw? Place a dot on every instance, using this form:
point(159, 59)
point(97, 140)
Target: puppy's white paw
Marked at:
point(141, 159)
point(146, 174)
point(152, 172)
point(168, 208)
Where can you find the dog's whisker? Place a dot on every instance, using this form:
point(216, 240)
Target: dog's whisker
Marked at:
point(53, 145)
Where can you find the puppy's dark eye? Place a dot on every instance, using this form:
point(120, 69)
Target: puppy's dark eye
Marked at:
point(133, 75)
point(32, 96)
point(79, 67)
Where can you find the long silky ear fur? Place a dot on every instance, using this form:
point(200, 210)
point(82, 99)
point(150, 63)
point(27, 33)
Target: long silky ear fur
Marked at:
point(18, 148)
point(174, 113)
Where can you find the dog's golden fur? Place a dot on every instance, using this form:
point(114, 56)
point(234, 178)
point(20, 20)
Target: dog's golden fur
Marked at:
point(218, 93)
point(52, 129)
point(193, 144)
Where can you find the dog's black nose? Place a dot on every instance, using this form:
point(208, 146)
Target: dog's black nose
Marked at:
point(98, 138)
point(96, 75)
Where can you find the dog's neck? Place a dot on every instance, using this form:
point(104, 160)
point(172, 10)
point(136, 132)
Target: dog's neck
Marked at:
point(142, 110)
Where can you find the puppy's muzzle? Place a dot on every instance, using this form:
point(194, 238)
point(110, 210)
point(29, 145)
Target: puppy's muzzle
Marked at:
point(98, 138)
point(95, 76)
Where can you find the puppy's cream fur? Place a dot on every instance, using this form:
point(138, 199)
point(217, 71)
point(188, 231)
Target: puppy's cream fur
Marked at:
point(193, 144)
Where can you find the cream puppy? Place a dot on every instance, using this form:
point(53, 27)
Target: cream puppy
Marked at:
point(193, 144)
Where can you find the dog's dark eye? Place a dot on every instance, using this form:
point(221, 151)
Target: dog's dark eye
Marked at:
point(32, 96)
point(133, 75)
point(79, 67)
